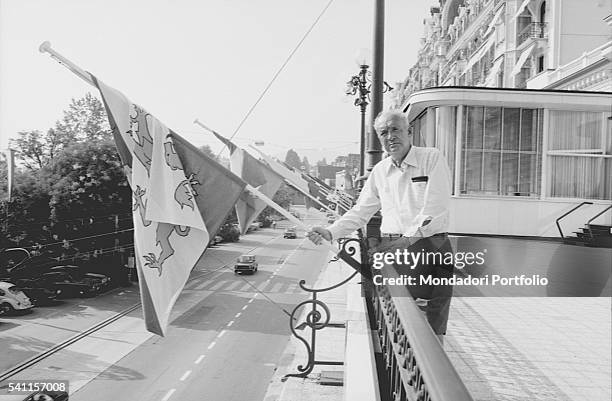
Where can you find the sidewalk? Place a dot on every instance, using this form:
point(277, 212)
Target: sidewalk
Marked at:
point(548, 349)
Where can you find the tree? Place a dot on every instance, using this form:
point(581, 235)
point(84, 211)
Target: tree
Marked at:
point(85, 120)
point(36, 150)
point(293, 160)
point(89, 181)
point(208, 152)
point(305, 164)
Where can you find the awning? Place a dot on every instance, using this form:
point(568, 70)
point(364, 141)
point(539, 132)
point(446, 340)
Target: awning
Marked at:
point(522, 59)
point(490, 81)
point(494, 20)
point(481, 52)
point(521, 8)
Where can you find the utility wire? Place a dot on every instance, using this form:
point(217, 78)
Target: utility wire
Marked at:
point(282, 67)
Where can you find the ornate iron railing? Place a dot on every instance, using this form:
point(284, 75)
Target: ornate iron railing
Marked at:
point(416, 366)
point(319, 316)
point(535, 30)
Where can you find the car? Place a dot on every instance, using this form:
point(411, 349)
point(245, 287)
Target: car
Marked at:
point(290, 233)
point(101, 281)
point(37, 396)
point(12, 299)
point(68, 285)
point(246, 263)
point(38, 290)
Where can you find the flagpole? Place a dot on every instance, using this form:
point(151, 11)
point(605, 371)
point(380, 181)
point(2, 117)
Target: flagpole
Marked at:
point(288, 215)
point(296, 187)
point(198, 122)
point(45, 47)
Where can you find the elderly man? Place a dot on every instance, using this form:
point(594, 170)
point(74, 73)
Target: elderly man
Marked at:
point(412, 189)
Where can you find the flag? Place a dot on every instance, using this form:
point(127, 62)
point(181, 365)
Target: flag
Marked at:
point(9, 155)
point(180, 198)
point(254, 173)
point(292, 177)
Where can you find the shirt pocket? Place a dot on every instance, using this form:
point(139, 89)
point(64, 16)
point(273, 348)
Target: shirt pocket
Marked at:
point(418, 193)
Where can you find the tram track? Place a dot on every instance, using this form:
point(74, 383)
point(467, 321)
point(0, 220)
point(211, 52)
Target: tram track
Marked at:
point(20, 367)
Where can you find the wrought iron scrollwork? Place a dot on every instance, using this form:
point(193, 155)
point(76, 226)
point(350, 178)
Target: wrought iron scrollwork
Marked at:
point(319, 315)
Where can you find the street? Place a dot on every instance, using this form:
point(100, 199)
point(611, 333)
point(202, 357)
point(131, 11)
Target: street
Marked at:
point(226, 334)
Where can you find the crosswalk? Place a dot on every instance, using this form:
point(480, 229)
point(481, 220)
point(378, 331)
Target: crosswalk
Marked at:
point(240, 284)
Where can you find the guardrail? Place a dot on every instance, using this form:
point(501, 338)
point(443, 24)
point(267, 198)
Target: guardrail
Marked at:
point(535, 30)
point(415, 364)
point(566, 213)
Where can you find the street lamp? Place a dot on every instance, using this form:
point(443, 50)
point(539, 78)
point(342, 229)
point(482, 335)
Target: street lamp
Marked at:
point(359, 86)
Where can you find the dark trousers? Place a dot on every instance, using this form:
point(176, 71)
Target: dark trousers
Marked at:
point(438, 296)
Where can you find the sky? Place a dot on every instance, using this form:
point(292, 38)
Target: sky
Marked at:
point(206, 59)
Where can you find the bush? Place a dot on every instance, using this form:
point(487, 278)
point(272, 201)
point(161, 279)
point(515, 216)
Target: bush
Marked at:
point(229, 233)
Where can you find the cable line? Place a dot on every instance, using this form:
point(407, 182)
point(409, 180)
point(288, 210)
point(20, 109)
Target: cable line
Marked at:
point(282, 67)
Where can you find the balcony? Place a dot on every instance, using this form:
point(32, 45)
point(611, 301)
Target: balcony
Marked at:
point(535, 31)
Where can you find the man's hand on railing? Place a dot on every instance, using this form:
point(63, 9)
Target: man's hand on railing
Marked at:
point(318, 234)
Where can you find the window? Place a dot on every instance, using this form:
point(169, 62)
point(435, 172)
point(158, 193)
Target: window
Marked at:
point(579, 155)
point(501, 150)
point(540, 66)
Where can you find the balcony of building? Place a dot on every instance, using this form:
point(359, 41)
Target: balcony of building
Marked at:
point(533, 32)
point(591, 67)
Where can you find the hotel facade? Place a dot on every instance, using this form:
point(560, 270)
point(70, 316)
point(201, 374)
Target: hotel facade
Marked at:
point(517, 95)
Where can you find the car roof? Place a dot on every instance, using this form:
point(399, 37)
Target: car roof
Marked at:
point(6, 285)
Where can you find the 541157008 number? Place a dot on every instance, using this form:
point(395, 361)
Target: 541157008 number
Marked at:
point(28, 386)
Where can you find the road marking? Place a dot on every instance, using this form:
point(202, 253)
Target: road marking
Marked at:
point(221, 333)
point(218, 285)
point(251, 300)
point(238, 314)
point(212, 344)
point(168, 394)
point(197, 361)
point(233, 285)
point(277, 287)
point(185, 376)
point(230, 323)
point(255, 295)
point(244, 307)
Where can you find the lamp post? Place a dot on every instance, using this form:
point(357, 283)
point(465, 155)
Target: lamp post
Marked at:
point(359, 85)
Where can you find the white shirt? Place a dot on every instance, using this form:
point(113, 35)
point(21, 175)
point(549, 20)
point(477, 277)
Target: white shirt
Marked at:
point(405, 203)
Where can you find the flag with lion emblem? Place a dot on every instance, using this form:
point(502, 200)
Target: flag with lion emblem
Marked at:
point(180, 199)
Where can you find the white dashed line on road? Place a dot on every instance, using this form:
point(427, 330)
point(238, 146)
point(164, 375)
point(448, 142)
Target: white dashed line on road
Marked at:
point(197, 361)
point(168, 394)
point(244, 307)
point(251, 300)
point(230, 323)
point(221, 333)
point(238, 314)
point(185, 376)
point(212, 344)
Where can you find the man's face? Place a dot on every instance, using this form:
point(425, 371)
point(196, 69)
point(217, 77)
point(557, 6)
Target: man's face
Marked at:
point(395, 137)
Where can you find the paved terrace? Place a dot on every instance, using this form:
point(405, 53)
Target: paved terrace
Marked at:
point(504, 348)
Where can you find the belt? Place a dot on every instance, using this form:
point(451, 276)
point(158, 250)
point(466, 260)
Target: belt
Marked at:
point(397, 236)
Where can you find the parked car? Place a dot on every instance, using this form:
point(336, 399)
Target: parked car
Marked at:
point(290, 233)
point(37, 396)
point(68, 285)
point(246, 263)
point(38, 290)
point(12, 298)
point(101, 281)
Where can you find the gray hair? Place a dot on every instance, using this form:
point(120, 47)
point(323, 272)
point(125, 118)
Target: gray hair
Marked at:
point(387, 115)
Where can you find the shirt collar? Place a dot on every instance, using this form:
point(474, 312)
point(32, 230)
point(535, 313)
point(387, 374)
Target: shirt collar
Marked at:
point(409, 160)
